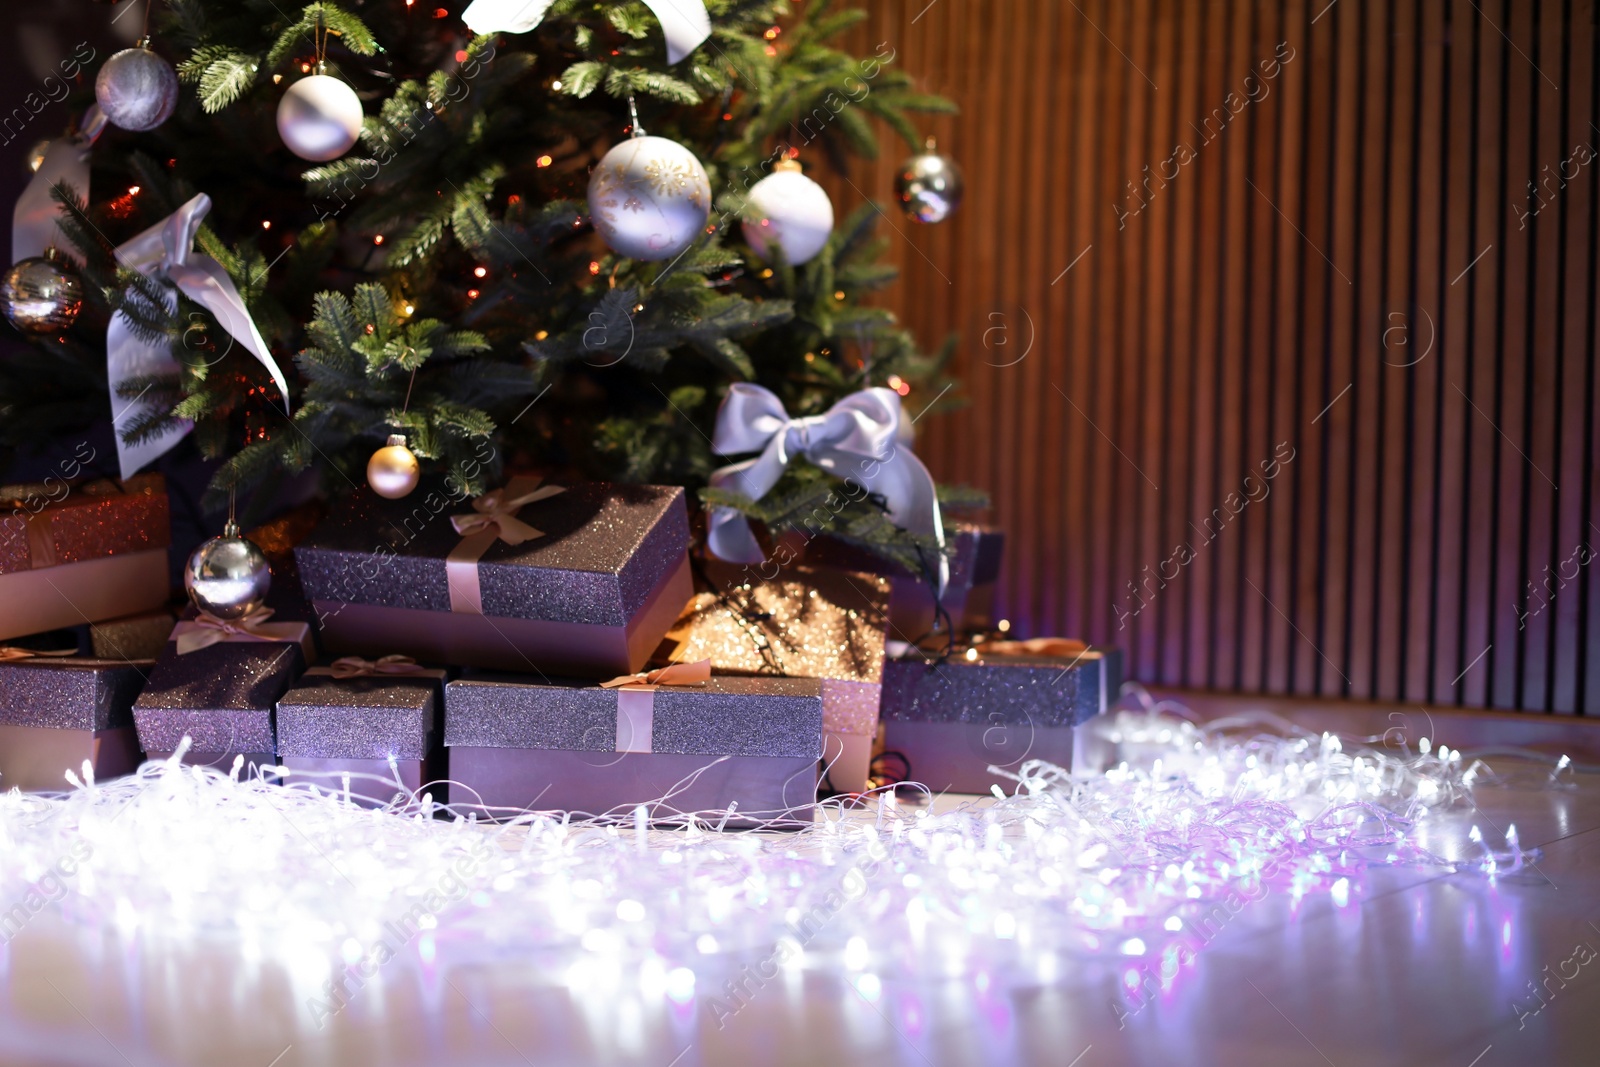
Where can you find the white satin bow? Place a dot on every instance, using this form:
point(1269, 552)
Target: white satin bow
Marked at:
point(33, 221)
point(167, 250)
point(685, 22)
point(856, 439)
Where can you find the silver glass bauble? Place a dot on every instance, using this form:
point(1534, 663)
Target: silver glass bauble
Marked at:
point(795, 214)
point(649, 198)
point(137, 89)
point(320, 118)
point(929, 186)
point(228, 577)
point(41, 295)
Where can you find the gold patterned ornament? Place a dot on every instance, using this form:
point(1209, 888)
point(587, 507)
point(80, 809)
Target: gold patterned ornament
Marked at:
point(649, 198)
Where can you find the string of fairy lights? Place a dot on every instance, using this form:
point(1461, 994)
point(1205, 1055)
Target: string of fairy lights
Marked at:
point(1121, 864)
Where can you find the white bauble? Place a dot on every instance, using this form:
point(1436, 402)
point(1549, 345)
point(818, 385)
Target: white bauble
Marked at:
point(136, 89)
point(319, 118)
point(795, 212)
point(649, 198)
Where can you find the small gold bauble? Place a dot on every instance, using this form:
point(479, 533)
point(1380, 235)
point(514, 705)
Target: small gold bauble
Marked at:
point(393, 471)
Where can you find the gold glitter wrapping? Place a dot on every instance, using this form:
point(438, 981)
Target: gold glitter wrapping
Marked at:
point(816, 623)
point(132, 637)
point(94, 520)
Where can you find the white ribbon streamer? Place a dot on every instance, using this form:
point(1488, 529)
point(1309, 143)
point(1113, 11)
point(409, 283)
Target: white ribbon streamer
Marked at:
point(33, 221)
point(167, 250)
point(856, 439)
point(686, 23)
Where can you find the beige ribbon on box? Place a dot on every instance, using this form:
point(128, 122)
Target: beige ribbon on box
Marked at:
point(493, 518)
point(41, 541)
point(636, 700)
point(350, 667)
point(194, 634)
point(12, 654)
point(356, 667)
point(1033, 646)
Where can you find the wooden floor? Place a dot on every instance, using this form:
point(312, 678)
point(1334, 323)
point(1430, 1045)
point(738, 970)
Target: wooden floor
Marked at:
point(1417, 968)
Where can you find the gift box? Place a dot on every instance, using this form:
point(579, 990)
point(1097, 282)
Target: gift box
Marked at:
point(519, 743)
point(589, 580)
point(968, 598)
point(73, 553)
point(997, 704)
point(221, 695)
point(58, 711)
point(806, 622)
point(133, 637)
point(375, 720)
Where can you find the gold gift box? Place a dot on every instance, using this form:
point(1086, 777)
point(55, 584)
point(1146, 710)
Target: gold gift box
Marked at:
point(75, 553)
point(803, 623)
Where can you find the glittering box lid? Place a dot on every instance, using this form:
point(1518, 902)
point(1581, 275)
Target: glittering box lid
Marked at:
point(92, 520)
point(605, 548)
point(68, 694)
point(359, 718)
point(1010, 691)
point(221, 696)
point(815, 622)
point(725, 717)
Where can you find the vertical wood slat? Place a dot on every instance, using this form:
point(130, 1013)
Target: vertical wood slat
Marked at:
point(1259, 295)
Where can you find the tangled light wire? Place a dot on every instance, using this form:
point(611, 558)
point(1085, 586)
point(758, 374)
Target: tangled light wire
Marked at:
point(1184, 816)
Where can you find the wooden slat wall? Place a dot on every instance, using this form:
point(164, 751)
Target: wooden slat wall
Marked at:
point(1344, 270)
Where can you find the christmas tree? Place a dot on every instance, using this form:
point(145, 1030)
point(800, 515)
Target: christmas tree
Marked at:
point(443, 278)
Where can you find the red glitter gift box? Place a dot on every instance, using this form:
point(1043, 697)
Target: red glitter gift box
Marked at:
point(72, 553)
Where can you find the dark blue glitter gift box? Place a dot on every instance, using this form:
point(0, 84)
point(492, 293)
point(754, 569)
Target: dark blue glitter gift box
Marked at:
point(591, 597)
point(952, 718)
point(384, 730)
point(968, 598)
point(55, 713)
point(220, 697)
point(522, 743)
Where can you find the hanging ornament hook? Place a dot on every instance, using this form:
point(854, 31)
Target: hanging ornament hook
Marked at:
point(633, 112)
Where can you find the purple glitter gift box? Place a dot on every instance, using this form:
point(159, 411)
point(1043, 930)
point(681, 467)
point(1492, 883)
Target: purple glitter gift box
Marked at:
point(220, 697)
point(953, 718)
point(55, 713)
point(515, 743)
point(385, 725)
point(590, 597)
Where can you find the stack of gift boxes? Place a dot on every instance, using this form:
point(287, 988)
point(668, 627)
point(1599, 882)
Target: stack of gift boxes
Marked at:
point(540, 647)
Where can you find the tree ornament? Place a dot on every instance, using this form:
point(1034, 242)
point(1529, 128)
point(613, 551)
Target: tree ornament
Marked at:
point(228, 577)
point(929, 186)
point(393, 471)
point(137, 89)
point(320, 117)
point(42, 295)
point(649, 197)
point(795, 212)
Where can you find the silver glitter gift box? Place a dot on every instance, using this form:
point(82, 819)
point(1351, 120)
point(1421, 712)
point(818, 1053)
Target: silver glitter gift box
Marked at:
point(382, 730)
point(221, 698)
point(590, 597)
point(515, 743)
point(55, 713)
point(954, 718)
